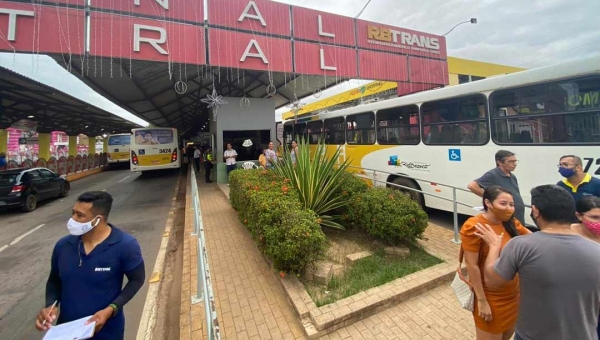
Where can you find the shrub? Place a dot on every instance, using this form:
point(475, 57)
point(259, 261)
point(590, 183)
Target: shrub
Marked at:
point(388, 214)
point(296, 242)
point(270, 209)
point(351, 186)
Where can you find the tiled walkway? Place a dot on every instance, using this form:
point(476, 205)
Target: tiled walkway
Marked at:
point(251, 303)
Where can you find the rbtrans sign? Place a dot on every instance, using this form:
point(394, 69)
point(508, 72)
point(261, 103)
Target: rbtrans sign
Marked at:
point(247, 34)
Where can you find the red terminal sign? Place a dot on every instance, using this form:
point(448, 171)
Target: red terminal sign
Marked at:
point(246, 34)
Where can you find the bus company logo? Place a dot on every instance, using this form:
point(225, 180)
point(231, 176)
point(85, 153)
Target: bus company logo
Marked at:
point(417, 166)
point(403, 40)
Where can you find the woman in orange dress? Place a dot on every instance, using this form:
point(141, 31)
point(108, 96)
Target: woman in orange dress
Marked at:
point(496, 310)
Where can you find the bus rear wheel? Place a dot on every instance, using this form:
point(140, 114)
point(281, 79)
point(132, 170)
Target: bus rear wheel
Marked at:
point(414, 195)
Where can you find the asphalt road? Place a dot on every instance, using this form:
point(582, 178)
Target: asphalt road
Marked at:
point(141, 207)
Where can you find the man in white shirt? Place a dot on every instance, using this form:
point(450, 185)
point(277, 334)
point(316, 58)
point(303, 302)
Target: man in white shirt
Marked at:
point(197, 156)
point(230, 156)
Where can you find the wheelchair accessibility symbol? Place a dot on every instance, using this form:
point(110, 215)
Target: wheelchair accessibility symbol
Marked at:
point(454, 155)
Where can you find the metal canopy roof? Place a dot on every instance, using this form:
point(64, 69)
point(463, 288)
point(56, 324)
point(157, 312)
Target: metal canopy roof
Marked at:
point(147, 90)
point(52, 109)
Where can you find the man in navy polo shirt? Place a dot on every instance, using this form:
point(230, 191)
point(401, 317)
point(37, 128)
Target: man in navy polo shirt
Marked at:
point(576, 181)
point(88, 267)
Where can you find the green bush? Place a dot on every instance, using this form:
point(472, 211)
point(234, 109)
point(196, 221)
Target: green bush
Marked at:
point(351, 186)
point(388, 214)
point(296, 242)
point(270, 209)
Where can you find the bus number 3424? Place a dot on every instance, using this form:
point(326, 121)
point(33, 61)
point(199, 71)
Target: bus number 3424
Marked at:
point(164, 151)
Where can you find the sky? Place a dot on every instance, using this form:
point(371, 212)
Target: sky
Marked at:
point(523, 33)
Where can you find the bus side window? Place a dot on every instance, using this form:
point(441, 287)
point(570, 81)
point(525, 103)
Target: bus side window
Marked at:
point(398, 126)
point(315, 131)
point(461, 120)
point(335, 131)
point(562, 112)
point(360, 128)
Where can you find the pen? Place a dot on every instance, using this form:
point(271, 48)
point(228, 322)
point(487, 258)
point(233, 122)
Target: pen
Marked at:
point(49, 312)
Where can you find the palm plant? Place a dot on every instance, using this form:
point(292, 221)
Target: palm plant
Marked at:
point(317, 179)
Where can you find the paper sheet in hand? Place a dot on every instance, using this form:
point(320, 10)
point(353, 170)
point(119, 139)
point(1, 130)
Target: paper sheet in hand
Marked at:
point(74, 330)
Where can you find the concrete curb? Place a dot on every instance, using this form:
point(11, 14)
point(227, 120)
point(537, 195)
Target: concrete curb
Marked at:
point(84, 174)
point(148, 319)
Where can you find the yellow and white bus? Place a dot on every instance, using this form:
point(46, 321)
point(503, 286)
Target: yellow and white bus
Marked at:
point(450, 135)
point(118, 148)
point(154, 148)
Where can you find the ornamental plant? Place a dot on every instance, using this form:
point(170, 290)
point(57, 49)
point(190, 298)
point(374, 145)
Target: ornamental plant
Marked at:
point(316, 180)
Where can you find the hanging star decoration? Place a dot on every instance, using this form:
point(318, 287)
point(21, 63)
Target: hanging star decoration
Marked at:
point(215, 101)
point(296, 106)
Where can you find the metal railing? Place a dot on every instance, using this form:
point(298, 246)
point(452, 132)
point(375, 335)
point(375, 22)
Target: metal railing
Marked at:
point(204, 291)
point(454, 201)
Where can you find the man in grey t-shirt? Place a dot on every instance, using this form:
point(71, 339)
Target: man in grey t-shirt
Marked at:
point(502, 175)
point(559, 271)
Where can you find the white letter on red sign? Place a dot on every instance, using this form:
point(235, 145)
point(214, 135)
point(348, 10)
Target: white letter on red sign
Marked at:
point(259, 53)
point(137, 39)
point(256, 16)
point(163, 3)
point(323, 67)
point(12, 20)
point(330, 35)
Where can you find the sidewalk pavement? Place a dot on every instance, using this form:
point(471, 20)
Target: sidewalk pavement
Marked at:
point(251, 303)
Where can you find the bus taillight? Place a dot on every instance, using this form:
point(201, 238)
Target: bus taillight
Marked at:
point(134, 158)
point(174, 156)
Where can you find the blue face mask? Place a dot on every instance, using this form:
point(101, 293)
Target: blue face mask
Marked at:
point(565, 172)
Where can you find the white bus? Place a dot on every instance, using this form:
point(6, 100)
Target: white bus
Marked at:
point(154, 148)
point(451, 135)
point(119, 148)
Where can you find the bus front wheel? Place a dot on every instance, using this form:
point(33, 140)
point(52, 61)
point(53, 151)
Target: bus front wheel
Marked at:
point(414, 195)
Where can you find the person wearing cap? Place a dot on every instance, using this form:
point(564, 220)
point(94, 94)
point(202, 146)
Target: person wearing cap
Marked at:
point(88, 268)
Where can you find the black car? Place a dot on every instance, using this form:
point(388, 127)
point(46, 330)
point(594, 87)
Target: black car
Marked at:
point(24, 188)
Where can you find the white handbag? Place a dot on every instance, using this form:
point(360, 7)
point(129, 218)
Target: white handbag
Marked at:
point(463, 289)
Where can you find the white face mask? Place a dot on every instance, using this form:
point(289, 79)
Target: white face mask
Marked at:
point(78, 228)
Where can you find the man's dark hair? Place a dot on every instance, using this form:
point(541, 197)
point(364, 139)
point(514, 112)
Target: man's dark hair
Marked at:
point(101, 202)
point(502, 155)
point(555, 204)
point(576, 159)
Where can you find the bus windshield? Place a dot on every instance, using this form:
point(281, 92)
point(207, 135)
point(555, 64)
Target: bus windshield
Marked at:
point(119, 140)
point(154, 136)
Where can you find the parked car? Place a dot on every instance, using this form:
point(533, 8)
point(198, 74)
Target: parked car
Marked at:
point(24, 188)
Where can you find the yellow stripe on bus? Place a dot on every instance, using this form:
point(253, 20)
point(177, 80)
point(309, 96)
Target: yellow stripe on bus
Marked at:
point(119, 155)
point(152, 160)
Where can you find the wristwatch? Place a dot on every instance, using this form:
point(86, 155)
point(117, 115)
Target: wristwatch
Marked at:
point(115, 308)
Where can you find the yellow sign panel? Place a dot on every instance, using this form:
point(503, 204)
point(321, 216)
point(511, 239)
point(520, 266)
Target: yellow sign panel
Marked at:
point(357, 93)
